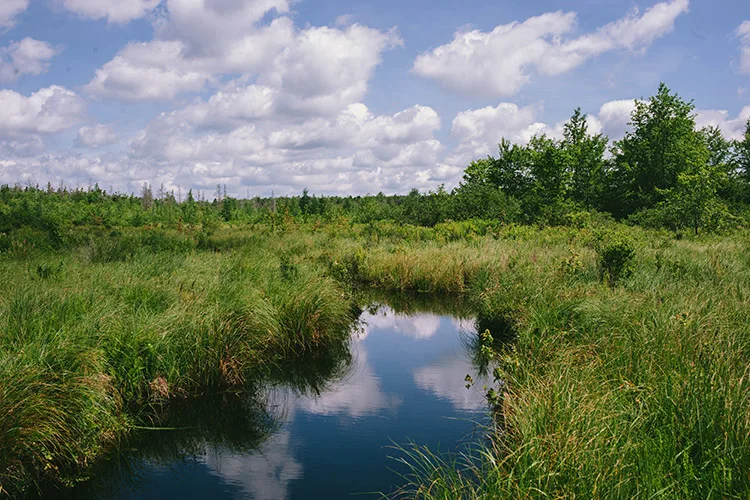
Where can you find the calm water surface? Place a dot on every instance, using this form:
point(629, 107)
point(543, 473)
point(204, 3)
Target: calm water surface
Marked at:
point(401, 380)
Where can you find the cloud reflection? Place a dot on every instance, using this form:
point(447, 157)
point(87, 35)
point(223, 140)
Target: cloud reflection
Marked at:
point(446, 380)
point(263, 475)
point(356, 396)
point(418, 326)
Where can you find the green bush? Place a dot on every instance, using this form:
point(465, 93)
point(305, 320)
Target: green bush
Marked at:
point(615, 257)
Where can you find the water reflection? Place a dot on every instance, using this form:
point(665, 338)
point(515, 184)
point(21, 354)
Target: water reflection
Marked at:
point(419, 326)
point(263, 475)
point(357, 395)
point(320, 425)
point(446, 380)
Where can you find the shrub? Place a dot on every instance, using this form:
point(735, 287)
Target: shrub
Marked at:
point(615, 257)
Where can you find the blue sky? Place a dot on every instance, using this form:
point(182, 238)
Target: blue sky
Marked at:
point(338, 96)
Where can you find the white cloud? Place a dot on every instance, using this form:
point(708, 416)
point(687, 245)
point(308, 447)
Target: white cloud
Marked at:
point(97, 135)
point(504, 120)
point(313, 70)
point(24, 146)
point(115, 11)
point(240, 135)
point(743, 32)
point(325, 69)
point(9, 10)
point(48, 110)
point(231, 106)
point(146, 71)
point(499, 63)
point(25, 57)
point(292, 114)
point(356, 127)
point(613, 118)
point(208, 26)
point(732, 128)
point(479, 131)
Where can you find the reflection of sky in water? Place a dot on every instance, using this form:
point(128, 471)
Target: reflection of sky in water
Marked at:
point(264, 475)
point(407, 376)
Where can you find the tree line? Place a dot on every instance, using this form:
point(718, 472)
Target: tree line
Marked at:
point(665, 172)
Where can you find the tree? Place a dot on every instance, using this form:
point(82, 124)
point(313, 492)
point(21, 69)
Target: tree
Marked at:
point(304, 202)
point(662, 144)
point(190, 209)
point(510, 171)
point(740, 174)
point(229, 206)
point(694, 202)
point(584, 157)
point(147, 197)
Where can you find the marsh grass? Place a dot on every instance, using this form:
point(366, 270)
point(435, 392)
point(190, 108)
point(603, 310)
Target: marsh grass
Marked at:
point(634, 388)
point(128, 329)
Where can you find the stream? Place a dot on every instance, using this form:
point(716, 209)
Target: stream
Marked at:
point(324, 430)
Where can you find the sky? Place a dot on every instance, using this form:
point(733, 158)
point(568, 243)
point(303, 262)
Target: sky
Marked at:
point(339, 97)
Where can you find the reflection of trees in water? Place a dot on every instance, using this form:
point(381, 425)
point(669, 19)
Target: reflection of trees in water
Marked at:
point(311, 372)
point(232, 421)
point(483, 349)
point(456, 306)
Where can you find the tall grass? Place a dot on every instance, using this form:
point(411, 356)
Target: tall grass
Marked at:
point(634, 388)
point(639, 390)
point(105, 344)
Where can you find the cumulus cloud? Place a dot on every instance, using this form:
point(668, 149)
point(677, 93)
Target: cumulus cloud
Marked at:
point(732, 128)
point(327, 68)
point(313, 70)
point(209, 26)
point(500, 62)
point(114, 11)
point(241, 135)
point(232, 106)
point(613, 118)
point(478, 131)
point(24, 146)
point(9, 10)
point(96, 135)
point(49, 110)
point(146, 71)
point(25, 57)
point(743, 32)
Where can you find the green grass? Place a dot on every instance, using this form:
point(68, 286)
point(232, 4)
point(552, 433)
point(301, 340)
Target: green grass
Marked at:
point(641, 390)
point(630, 388)
point(101, 345)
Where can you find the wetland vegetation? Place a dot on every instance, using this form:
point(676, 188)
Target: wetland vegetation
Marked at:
point(616, 297)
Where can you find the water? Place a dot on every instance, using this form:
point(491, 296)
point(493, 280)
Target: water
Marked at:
point(324, 431)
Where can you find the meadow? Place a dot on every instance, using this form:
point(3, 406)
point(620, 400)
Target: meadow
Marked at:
point(607, 385)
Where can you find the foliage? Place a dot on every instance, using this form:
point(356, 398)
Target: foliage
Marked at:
point(615, 257)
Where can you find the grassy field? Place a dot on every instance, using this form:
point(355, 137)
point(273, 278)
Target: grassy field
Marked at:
point(607, 388)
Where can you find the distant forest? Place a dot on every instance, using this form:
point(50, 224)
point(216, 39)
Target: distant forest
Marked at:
point(664, 173)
